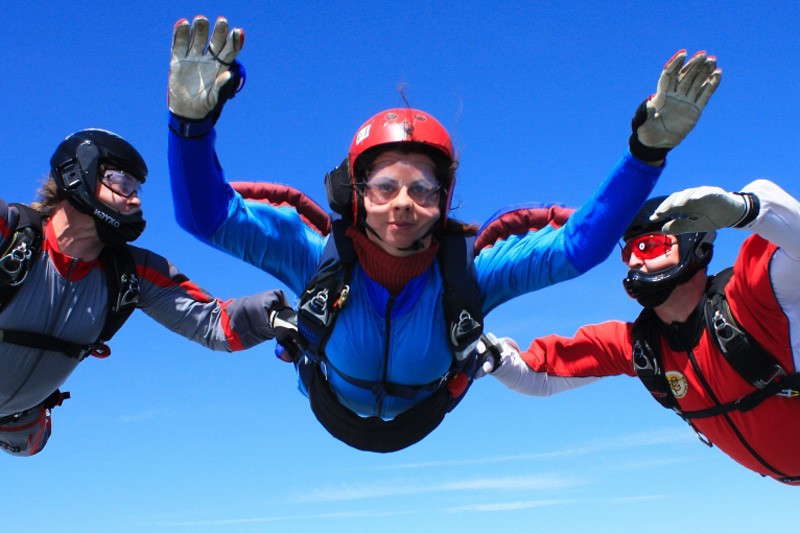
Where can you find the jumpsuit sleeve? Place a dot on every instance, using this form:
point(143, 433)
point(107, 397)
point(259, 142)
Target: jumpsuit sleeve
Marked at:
point(172, 300)
point(274, 239)
point(554, 364)
point(523, 263)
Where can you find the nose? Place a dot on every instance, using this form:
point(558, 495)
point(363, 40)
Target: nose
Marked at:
point(635, 262)
point(402, 200)
point(133, 202)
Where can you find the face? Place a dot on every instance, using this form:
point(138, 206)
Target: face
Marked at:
point(652, 252)
point(401, 200)
point(119, 190)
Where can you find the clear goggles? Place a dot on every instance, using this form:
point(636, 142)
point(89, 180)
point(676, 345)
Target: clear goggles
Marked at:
point(120, 182)
point(383, 189)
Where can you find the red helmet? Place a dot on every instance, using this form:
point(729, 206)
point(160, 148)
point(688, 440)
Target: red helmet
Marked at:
point(403, 129)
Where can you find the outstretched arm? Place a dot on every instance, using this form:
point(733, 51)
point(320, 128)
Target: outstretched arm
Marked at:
point(535, 260)
point(203, 75)
point(555, 364)
point(176, 302)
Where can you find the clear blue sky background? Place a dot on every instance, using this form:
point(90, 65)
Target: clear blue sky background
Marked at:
point(166, 436)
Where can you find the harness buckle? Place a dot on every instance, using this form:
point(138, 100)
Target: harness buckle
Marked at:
point(776, 372)
point(130, 291)
point(461, 331)
point(15, 263)
point(725, 331)
point(641, 357)
point(317, 307)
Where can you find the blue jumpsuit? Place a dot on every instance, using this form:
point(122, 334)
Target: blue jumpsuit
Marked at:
point(401, 339)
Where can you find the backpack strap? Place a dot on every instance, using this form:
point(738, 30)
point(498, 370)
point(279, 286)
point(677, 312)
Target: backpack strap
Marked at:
point(646, 358)
point(754, 364)
point(123, 289)
point(461, 297)
point(327, 291)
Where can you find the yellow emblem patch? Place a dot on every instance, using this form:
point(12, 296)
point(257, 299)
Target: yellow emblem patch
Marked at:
point(677, 383)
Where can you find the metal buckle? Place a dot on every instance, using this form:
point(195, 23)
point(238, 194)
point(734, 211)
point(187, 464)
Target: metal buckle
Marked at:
point(776, 373)
point(725, 331)
point(640, 359)
point(317, 306)
point(463, 328)
point(131, 293)
point(14, 263)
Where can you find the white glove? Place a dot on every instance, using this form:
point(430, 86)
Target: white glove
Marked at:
point(665, 118)
point(197, 69)
point(703, 209)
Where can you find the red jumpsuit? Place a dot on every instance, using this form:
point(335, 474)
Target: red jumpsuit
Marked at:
point(764, 297)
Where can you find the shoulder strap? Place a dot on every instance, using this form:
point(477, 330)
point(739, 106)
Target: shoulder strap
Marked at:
point(327, 291)
point(123, 289)
point(754, 364)
point(20, 251)
point(646, 359)
point(123, 295)
point(461, 297)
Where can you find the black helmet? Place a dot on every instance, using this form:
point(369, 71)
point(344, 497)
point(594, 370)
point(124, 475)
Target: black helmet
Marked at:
point(695, 249)
point(75, 167)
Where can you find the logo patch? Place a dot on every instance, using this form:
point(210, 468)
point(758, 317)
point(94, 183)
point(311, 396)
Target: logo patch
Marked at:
point(363, 133)
point(677, 383)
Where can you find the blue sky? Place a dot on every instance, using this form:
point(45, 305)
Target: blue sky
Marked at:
point(166, 436)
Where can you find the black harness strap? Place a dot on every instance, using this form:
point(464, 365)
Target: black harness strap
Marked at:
point(317, 311)
point(121, 281)
point(20, 251)
point(373, 433)
point(754, 364)
point(54, 400)
point(740, 350)
point(646, 359)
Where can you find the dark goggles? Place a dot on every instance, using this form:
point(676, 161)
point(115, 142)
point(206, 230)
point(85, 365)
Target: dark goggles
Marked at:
point(647, 246)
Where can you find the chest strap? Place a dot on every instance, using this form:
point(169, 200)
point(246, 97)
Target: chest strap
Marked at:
point(754, 364)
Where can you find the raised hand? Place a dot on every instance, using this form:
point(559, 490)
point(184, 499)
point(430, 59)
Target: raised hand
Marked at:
point(202, 73)
point(664, 119)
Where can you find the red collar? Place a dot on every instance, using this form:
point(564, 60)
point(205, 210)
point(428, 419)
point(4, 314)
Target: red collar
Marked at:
point(390, 271)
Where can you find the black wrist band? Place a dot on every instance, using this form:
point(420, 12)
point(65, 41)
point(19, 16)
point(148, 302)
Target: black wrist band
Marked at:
point(752, 207)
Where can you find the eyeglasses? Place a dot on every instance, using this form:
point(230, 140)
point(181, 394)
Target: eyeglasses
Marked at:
point(647, 246)
point(120, 182)
point(383, 190)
